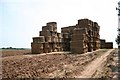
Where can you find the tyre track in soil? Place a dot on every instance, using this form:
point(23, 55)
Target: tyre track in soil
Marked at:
point(92, 67)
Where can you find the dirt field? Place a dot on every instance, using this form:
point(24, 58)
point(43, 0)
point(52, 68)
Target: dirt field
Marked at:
point(6, 53)
point(56, 65)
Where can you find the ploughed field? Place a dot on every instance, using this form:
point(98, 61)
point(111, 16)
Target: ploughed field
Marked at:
point(49, 65)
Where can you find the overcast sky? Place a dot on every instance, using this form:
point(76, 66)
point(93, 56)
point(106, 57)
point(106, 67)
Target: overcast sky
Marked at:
point(23, 19)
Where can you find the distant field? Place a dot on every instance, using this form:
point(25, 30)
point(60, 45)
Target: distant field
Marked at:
point(6, 53)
